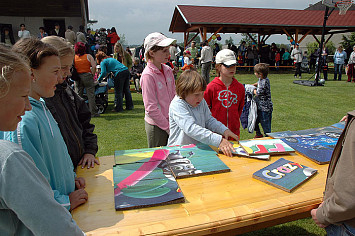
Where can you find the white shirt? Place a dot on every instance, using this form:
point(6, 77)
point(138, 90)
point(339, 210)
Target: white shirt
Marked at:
point(206, 54)
point(24, 34)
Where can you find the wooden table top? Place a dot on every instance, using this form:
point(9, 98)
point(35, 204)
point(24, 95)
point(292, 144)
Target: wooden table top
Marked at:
point(226, 203)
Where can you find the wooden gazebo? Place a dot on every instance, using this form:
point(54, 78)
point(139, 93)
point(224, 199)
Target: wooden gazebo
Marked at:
point(296, 24)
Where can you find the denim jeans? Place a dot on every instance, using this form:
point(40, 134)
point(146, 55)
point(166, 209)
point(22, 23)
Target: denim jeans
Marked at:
point(340, 230)
point(121, 82)
point(264, 118)
point(338, 69)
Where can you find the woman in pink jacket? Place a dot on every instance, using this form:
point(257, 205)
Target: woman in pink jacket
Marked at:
point(158, 88)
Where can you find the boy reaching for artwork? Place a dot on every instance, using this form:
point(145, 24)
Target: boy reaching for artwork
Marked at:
point(225, 95)
point(190, 119)
point(263, 99)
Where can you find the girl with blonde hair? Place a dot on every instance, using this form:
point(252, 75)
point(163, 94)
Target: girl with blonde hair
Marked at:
point(71, 111)
point(122, 55)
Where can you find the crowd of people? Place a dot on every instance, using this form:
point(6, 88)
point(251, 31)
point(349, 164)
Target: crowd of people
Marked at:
point(278, 58)
point(46, 130)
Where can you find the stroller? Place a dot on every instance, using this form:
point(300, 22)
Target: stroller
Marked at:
point(101, 97)
point(305, 65)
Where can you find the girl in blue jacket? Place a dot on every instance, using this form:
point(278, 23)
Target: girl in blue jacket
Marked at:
point(38, 132)
point(26, 199)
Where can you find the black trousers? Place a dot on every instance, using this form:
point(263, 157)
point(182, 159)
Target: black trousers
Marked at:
point(298, 69)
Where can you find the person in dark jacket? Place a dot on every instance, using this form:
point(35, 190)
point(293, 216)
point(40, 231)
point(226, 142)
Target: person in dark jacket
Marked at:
point(7, 36)
point(57, 31)
point(71, 112)
point(136, 73)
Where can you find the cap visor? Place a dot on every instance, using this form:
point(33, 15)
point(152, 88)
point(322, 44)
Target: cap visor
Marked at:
point(166, 42)
point(230, 63)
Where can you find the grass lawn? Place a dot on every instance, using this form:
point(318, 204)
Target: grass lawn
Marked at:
point(296, 107)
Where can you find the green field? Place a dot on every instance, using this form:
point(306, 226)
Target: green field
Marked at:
point(296, 107)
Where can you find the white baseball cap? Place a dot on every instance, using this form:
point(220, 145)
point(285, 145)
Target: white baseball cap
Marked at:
point(157, 39)
point(226, 57)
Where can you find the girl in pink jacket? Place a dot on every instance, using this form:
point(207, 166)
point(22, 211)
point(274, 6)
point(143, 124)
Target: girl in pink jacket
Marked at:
point(158, 88)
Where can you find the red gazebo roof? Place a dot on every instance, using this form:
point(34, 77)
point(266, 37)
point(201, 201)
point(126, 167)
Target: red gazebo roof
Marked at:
point(258, 20)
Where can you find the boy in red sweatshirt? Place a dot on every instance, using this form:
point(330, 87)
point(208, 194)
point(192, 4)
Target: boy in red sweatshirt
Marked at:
point(225, 95)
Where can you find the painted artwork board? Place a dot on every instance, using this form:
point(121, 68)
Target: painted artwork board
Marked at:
point(239, 151)
point(339, 125)
point(147, 177)
point(143, 184)
point(266, 147)
point(281, 134)
point(145, 192)
point(194, 160)
point(317, 148)
point(143, 170)
point(134, 155)
point(328, 130)
point(284, 174)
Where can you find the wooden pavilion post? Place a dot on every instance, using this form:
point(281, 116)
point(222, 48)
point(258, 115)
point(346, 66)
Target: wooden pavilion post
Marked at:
point(296, 35)
point(204, 34)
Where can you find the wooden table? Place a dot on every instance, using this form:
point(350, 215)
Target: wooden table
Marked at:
point(226, 203)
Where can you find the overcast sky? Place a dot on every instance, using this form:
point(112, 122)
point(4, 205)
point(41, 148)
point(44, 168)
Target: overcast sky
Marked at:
point(137, 18)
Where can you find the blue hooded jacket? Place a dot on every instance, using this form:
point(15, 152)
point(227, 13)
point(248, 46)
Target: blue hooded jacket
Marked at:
point(39, 135)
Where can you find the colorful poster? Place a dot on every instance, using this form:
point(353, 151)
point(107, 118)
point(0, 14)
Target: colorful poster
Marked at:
point(193, 160)
point(146, 177)
point(339, 125)
point(284, 174)
point(328, 131)
point(281, 134)
point(265, 146)
point(317, 148)
point(143, 184)
point(239, 151)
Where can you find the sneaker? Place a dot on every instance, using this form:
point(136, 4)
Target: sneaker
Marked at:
point(300, 77)
point(258, 136)
point(295, 77)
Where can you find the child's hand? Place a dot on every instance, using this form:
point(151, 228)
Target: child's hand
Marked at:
point(88, 159)
point(229, 134)
point(226, 147)
point(77, 198)
point(79, 183)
